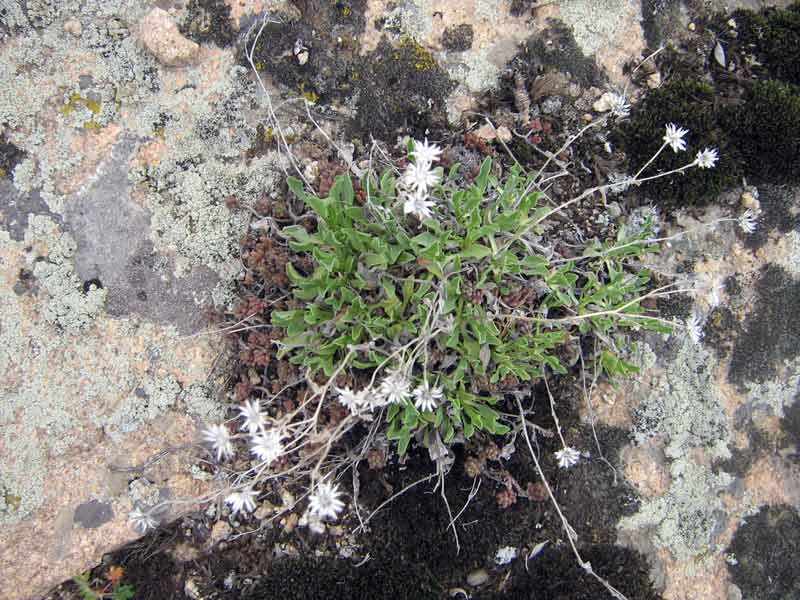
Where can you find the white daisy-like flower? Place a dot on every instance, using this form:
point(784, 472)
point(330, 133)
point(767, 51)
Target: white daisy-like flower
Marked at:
point(674, 137)
point(142, 521)
point(707, 158)
point(242, 501)
point(396, 388)
point(694, 327)
point(220, 439)
point(419, 177)
point(505, 555)
point(568, 457)
point(418, 205)
point(427, 398)
point(748, 221)
point(267, 446)
point(425, 153)
point(252, 417)
point(352, 400)
point(324, 503)
point(619, 105)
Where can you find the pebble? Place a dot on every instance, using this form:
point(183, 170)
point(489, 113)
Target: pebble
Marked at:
point(73, 27)
point(748, 200)
point(551, 105)
point(477, 577)
point(220, 531)
point(159, 34)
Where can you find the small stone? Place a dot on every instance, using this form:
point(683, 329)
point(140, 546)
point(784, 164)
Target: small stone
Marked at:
point(691, 26)
point(219, 532)
point(653, 80)
point(159, 34)
point(587, 117)
point(604, 103)
point(264, 511)
point(503, 133)
point(73, 27)
point(289, 522)
point(477, 577)
point(748, 200)
point(551, 105)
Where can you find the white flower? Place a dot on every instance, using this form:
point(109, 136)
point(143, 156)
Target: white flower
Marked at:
point(242, 501)
point(220, 439)
point(748, 221)
point(352, 400)
point(253, 418)
point(427, 398)
point(674, 137)
point(505, 555)
point(324, 502)
point(267, 446)
point(141, 521)
point(567, 457)
point(619, 182)
point(419, 177)
point(425, 153)
point(694, 327)
point(395, 388)
point(709, 288)
point(707, 158)
point(418, 204)
point(619, 105)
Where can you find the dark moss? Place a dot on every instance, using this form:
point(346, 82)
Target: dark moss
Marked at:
point(692, 105)
point(328, 31)
point(777, 202)
point(10, 157)
point(765, 130)
point(721, 329)
point(382, 577)
point(655, 14)
point(555, 48)
point(554, 575)
point(208, 21)
point(790, 424)
point(677, 305)
point(458, 37)
point(520, 7)
point(765, 548)
point(772, 36)
point(401, 89)
point(771, 329)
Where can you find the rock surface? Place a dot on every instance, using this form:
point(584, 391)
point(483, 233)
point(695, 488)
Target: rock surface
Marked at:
point(161, 37)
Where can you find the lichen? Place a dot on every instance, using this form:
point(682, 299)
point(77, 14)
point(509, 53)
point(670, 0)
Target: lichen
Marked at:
point(201, 403)
point(153, 398)
point(683, 405)
point(68, 304)
point(687, 518)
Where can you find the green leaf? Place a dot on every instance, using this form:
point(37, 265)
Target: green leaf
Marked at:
point(475, 251)
point(123, 592)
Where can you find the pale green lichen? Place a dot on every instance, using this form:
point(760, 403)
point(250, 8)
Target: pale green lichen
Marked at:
point(201, 403)
point(152, 399)
point(689, 516)
point(67, 305)
point(683, 404)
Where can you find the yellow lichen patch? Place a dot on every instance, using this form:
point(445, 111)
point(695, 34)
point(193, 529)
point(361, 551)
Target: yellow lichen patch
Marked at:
point(423, 60)
point(3, 172)
point(75, 99)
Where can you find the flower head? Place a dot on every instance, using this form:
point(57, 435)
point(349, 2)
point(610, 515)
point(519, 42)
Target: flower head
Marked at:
point(427, 398)
point(396, 388)
point(747, 221)
point(267, 446)
point(419, 177)
point(674, 137)
point(418, 204)
point(707, 158)
point(425, 153)
point(694, 327)
point(142, 521)
point(352, 400)
point(251, 414)
point(220, 439)
point(324, 502)
point(242, 501)
point(567, 457)
point(505, 555)
point(619, 105)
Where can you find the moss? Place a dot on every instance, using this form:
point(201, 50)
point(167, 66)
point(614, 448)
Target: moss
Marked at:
point(771, 329)
point(401, 89)
point(208, 21)
point(458, 37)
point(765, 130)
point(773, 37)
point(763, 550)
point(692, 105)
point(329, 32)
point(10, 156)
